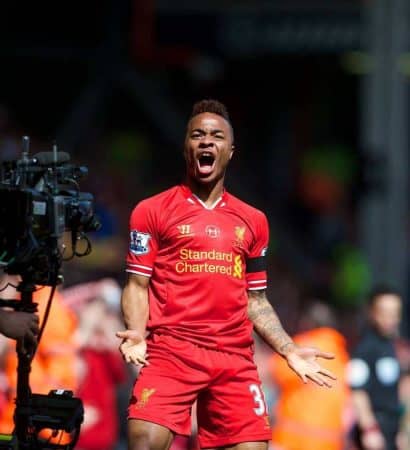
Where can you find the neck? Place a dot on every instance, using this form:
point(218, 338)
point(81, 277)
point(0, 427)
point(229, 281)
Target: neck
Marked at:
point(209, 193)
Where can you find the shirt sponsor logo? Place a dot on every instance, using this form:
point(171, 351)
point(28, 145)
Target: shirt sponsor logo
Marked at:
point(139, 244)
point(237, 268)
point(212, 231)
point(185, 231)
point(211, 261)
point(196, 255)
point(145, 396)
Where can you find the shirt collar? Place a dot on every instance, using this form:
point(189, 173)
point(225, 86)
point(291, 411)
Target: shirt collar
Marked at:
point(192, 198)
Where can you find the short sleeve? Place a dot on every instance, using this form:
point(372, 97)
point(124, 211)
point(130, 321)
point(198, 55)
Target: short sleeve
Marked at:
point(256, 276)
point(143, 240)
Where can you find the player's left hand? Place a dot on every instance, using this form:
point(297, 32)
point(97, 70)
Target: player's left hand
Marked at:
point(302, 360)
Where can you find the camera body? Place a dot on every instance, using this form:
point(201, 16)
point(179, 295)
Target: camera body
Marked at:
point(40, 200)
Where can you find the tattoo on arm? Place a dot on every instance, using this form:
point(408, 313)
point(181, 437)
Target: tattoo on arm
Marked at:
point(267, 323)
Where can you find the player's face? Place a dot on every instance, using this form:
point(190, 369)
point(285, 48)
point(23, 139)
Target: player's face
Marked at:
point(386, 314)
point(208, 147)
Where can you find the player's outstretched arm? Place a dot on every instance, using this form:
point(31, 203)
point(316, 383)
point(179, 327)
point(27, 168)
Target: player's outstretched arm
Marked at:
point(302, 360)
point(134, 304)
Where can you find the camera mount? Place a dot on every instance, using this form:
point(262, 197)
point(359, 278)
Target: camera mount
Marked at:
point(39, 418)
point(40, 200)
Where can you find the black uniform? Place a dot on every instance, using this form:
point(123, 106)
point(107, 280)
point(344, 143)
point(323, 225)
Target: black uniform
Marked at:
point(374, 368)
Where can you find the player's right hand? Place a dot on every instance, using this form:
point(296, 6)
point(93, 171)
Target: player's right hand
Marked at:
point(133, 347)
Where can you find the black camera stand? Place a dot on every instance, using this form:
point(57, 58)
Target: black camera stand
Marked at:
point(58, 411)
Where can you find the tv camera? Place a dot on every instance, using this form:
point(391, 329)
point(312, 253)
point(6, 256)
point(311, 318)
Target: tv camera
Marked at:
point(40, 200)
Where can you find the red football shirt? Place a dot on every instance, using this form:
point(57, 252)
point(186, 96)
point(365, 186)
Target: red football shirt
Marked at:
point(201, 262)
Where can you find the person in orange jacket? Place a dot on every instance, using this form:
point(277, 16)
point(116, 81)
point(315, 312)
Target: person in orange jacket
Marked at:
point(54, 363)
point(306, 417)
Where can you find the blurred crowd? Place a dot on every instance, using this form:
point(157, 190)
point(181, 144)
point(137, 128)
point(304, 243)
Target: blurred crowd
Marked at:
point(79, 351)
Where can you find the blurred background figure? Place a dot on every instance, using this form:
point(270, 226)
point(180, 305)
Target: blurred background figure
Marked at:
point(305, 417)
point(402, 346)
point(374, 374)
point(101, 369)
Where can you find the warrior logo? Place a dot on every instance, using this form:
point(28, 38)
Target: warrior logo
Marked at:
point(185, 231)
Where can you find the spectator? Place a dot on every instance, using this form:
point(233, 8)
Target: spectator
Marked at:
point(101, 371)
point(306, 417)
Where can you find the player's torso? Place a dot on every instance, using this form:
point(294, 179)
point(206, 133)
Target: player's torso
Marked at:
point(206, 242)
point(201, 261)
point(201, 258)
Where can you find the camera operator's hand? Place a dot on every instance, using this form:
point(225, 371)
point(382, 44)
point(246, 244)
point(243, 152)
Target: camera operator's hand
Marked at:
point(19, 325)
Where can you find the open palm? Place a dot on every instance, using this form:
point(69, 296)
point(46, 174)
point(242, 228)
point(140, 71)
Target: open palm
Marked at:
point(303, 361)
point(133, 347)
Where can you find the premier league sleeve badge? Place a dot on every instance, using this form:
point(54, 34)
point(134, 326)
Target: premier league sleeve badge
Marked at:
point(139, 244)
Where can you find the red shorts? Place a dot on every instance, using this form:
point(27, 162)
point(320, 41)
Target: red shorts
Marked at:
point(230, 403)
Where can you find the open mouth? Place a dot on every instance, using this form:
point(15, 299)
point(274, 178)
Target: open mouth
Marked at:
point(206, 163)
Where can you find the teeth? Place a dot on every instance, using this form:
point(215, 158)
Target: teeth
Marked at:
point(208, 154)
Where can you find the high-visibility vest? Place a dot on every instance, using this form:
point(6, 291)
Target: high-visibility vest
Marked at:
point(308, 416)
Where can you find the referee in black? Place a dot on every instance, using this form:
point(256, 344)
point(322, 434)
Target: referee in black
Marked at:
point(374, 374)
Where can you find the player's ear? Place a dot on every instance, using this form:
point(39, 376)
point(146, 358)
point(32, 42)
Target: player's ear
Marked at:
point(232, 150)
